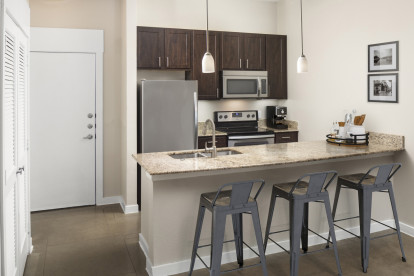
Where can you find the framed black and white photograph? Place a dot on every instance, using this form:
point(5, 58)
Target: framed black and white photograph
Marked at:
point(383, 57)
point(383, 88)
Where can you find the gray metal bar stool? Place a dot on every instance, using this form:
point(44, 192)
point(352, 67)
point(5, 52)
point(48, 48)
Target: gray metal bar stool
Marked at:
point(366, 184)
point(233, 202)
point(300, 194)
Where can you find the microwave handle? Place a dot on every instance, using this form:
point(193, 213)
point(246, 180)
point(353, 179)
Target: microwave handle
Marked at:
point(259, 87)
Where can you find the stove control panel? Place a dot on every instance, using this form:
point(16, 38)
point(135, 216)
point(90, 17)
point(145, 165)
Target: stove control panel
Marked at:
point(235, 116)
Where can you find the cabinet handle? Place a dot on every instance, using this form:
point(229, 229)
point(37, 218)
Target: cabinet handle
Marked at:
point(285, 137)
point(168, 62)
point(159, 62)
point(217, 93)
point(211, 142)
point(240, 63)
point(247, 63)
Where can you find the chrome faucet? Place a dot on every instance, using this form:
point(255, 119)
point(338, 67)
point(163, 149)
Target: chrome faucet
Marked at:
point(213, 149)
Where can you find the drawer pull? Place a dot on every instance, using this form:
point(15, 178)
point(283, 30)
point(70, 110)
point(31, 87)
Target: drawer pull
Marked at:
point(210, 142)
point(286, 137)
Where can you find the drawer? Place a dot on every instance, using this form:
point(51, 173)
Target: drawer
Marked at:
point(286, 137)
point(221, 141)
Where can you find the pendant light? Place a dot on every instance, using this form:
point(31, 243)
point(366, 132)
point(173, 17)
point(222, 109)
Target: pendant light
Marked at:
point(302, 65)
point(207, 64)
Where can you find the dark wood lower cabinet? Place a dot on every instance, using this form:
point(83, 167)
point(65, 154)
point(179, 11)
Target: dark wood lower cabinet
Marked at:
point(286, 137)
point(221, 141)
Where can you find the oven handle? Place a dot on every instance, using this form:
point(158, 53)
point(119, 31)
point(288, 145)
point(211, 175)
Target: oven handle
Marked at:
point(251, 137)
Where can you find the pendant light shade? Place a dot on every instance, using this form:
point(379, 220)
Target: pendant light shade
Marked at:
point(207, 64)
point(302, 64)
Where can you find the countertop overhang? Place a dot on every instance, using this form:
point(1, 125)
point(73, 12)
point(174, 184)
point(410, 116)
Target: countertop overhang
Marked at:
point(161, 163)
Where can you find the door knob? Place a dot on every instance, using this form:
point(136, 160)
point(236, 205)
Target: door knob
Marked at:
point(20, 170)
point(90, 136)
point(90, 115)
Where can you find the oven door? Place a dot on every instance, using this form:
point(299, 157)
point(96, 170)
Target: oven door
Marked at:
point(250, 140)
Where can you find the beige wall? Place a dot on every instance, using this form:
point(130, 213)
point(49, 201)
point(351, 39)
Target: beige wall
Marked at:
point(336, 37)
point(104, 15)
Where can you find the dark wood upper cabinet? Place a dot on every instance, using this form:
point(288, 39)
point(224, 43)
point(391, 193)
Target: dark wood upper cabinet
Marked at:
point(208, 84)
point(178, 49)
point(254, 52)
point(276, 66)
point(240, 51)
point(231, 51)
point(150, 47)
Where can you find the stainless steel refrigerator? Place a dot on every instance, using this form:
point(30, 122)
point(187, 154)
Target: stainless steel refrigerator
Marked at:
point(167, 116)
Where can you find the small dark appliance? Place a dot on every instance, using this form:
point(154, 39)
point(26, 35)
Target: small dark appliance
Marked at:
point(276, 116)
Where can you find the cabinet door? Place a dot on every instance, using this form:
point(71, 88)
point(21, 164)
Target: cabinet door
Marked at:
point(254, 52)
point(231, 51)
point(150, 48)
point(208, 84)
point(177, 49)
point(276, 66)
point(221, 141)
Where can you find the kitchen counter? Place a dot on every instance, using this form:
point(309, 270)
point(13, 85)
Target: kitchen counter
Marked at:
point(267, 155)
point(171, 191)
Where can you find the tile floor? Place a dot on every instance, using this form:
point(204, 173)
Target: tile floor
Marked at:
point(101, 240)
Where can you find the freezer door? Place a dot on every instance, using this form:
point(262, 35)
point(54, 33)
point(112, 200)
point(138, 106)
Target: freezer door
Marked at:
point(169, 115)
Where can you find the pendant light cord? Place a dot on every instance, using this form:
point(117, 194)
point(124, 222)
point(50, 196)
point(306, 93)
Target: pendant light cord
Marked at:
point(301, 24)
point(207, 27)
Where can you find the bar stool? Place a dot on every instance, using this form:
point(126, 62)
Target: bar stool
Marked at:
point(366, 184)
point(233, 202)
point(300, 194)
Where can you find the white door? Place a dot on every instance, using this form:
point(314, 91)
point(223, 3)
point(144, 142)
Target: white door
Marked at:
point(62, 125)
point(15, 189)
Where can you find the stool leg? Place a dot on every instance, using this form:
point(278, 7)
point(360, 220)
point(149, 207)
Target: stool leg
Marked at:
point(259, 239)
point(305, 226)
point(335, 205)
point(217, 237)
point(269, 218)
point(200, 218)
point(365, 206)
point(397, 223)
point(238, 236)
point(296, 218)
point(332, 232)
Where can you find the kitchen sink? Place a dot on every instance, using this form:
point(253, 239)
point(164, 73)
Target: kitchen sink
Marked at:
point(203, 154)
point(223, 153)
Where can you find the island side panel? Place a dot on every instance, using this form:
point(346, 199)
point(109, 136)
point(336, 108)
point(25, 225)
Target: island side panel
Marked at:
point(175, 206)
point(147, 213)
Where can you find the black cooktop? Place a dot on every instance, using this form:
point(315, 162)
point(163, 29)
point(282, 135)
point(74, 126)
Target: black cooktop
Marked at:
point(248, 130)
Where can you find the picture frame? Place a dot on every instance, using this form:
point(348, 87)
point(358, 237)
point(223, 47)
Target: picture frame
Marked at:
point(383, 57)
point(383, 88)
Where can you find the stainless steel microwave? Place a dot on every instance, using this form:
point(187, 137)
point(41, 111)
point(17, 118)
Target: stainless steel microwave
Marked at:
point(245, 84)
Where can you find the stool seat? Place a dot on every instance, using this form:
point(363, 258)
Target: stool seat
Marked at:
point(223, 198)
point(355, 178)
point(301, 187)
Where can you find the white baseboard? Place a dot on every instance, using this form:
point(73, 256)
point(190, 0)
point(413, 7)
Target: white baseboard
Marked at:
point(129, 209)
point(109, 200)
point(227, 257)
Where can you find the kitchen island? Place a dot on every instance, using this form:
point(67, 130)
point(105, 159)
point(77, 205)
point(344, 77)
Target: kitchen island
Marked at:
point(171, 188)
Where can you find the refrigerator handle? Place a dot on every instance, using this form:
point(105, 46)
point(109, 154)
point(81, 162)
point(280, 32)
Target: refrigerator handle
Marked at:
point(195, 120)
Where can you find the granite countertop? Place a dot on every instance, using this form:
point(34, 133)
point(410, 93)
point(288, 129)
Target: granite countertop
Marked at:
point(161, 163)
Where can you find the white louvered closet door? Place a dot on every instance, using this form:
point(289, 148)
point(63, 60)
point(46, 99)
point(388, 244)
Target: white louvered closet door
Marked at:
point(15, 190)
